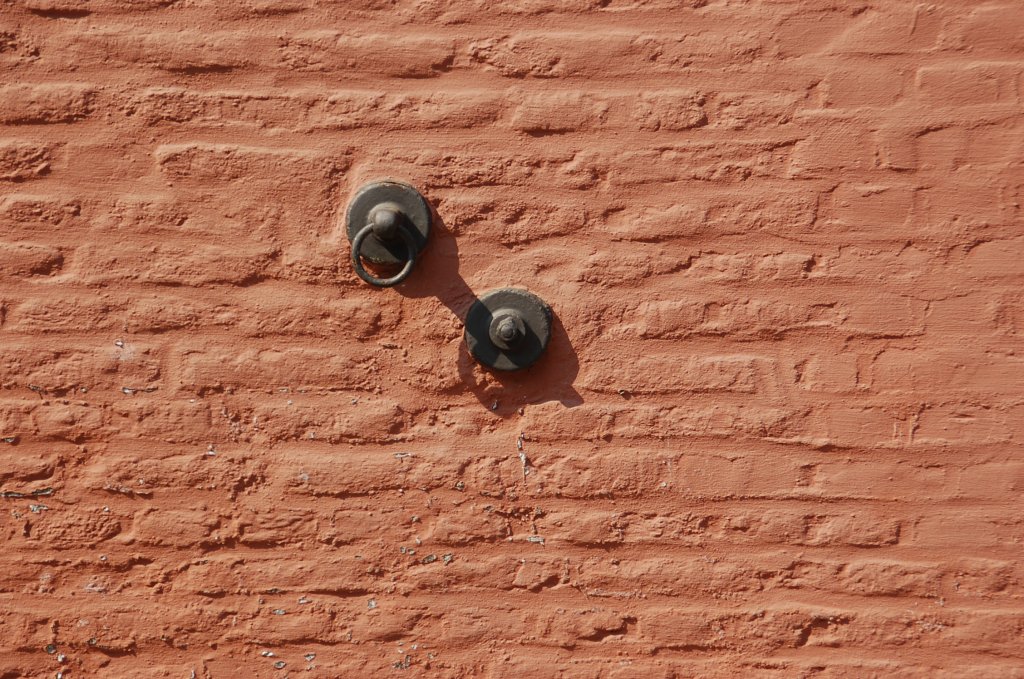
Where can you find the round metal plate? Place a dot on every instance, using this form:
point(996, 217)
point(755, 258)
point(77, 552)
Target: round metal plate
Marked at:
point(536, 315)
point(408, 201)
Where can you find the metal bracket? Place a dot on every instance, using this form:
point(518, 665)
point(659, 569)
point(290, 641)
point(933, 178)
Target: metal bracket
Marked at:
point(508, 329)
point(389, 224)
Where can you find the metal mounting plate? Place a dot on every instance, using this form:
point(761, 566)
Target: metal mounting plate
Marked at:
point(535, 315)
point(407, 200)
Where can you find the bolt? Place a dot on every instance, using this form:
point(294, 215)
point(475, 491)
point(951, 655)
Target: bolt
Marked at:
point(386, 221)
point(507, 329)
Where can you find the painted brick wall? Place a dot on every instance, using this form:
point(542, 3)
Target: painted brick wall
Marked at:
point(779, 430)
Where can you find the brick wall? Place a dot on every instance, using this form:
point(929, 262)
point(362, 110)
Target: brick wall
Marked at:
point(779, 429)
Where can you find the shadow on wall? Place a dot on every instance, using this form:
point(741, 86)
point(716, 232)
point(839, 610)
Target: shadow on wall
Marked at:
point(503, 393)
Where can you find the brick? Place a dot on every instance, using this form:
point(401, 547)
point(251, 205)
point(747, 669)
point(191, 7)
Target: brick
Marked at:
point(468, 528)
point(540, 114)
point(877, 207)
point(734, 476)
point(950, 370)
point(271, 528)
point(767, 318)
point(975, 529)
point(219, 162)
point(808, 32)
point(862, 86)
point(670, 577)
point(348, 526)
point(537, 575)
point(66, 371)
point(996, 259)
point(881, 480)
point(752, 110)
point(779, 212)
point(716, 421)
point(992, 146)
point(15, 418)
point(678, 319)
point(60, 529)
point(730, 162)
point(842, 146)
point(867, 577)
point(522, 56)
point(513, 223)
point(273, 629)
point(370, 473)
point(77, 8)
point(669, 374)
point(972, 314)
point(302, 110)
point(71, 313)
point(575, 627)
point(670, 111)
point(383, 110)
point(262, 317)
point(980, 577)
point(646, 261)
point(38, 212)
point(75, 422)
point(896, 147)
point(156, 419)
point(866, 426)
point(967, 204)
point(29, 259)
point(969, 84)
point(594, 528)
point(885, 316)
point(19, 468)
point(366, 420)
point(743, 267)
point(991, 479)
point(175, 51)
point(212, 368)
point(36, 104)
point(550, 422)
point(572, 54)
point(254, 110)
point(709, 630)
point(469, 624)
point(325, 51)
point(993, 28)
point(123, 471)
point(837, 374)
point(944, 148)
point(861, 264)
point(174, 265)
point(21, 161)
point(892, 30)
point(25, 631)
point(175, 528)
point(444, 170)
point(596, 477)
point(964, 424)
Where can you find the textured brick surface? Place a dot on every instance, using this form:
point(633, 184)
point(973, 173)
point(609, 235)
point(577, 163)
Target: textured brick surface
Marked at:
point(779, 430)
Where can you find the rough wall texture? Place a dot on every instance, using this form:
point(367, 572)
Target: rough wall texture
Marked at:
point(779, 431)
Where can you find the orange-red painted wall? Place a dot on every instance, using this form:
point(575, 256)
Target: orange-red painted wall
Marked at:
point(779, 429)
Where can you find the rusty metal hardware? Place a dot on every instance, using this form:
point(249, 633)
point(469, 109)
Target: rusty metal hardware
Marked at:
point(388, 224)
point(508, 329)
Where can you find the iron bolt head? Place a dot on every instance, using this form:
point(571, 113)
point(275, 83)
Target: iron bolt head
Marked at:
point(386, 221)
point(507, 329)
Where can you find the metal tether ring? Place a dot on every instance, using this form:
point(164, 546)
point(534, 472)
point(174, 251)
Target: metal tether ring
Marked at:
point(357, 262)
